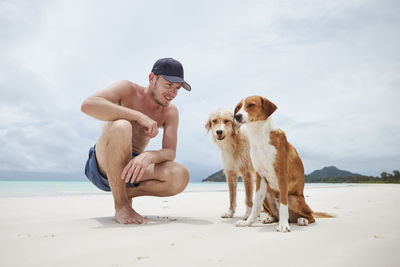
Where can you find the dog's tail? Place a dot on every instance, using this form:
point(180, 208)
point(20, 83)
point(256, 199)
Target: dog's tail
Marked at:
point(322, 215)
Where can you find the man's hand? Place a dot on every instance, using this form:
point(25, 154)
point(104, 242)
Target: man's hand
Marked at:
point(150, 126)
point(134, 170)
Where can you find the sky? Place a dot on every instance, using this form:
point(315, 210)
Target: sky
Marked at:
point(331, 67)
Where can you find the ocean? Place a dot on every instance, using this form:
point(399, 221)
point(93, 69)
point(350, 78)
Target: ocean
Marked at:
point(20, 188)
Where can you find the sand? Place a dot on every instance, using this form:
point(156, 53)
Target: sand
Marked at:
point(186, 230)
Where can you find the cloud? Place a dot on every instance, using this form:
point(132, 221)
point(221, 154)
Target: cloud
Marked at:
point(331, 67)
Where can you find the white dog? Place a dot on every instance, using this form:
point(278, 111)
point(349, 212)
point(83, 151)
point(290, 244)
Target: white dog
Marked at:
point(234, 146)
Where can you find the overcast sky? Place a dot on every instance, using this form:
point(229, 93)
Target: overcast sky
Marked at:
point(331, 67)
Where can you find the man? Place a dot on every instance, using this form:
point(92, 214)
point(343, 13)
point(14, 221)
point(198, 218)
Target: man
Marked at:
point(132, 114)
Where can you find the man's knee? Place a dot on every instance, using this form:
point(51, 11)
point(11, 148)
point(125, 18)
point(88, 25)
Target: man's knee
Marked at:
point(180, 177)
point(184, 174)
point(121, 129)
point(116, 138)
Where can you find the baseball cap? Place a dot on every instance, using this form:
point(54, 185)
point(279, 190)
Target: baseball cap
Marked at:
point(172, 70)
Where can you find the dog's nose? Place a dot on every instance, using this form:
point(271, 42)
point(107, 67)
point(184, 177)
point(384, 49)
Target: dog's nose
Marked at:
point(219, 132)
point(238, 117)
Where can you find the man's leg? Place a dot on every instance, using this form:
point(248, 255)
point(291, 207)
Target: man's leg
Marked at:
point(113, 152)
point(161, 180)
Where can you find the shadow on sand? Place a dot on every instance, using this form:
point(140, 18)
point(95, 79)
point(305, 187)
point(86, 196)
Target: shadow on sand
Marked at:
point(269, 227)
point(152, 220)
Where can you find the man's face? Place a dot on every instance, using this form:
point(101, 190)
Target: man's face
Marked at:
point(163, 91)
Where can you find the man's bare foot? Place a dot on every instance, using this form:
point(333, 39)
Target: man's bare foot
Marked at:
point(127, 215)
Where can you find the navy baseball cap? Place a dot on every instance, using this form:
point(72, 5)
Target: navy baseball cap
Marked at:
point(171, 70)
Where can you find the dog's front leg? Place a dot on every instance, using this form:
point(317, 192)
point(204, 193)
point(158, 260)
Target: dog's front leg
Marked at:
point(283, 225)
point(248, 189)
point(232, 184)
point(261, 190)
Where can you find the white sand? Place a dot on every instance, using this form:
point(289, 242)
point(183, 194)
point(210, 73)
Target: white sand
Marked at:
point(186, 230)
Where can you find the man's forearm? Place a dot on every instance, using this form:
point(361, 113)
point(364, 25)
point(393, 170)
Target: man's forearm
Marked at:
point(165, 154)
point(104, 110)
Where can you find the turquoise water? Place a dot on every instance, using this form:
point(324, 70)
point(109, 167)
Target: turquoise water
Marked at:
point(59, 188)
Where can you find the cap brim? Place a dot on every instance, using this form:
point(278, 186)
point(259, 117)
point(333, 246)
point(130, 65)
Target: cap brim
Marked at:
point(175, 79)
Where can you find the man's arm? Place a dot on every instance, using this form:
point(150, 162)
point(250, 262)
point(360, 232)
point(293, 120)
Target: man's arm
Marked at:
point(103, 105)
point(170, 138)
point(135, 169)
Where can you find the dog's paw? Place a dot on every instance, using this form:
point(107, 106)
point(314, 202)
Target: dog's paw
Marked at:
point(248, 212)
point(266, 218)
point(228, 214)
point(283, 227)
point(243, 223)
point(302, 221)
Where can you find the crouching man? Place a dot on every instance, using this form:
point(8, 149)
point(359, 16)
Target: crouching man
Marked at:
point(132, 114)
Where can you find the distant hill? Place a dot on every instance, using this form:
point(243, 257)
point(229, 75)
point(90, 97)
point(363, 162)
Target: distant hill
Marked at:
point(218, 176)
point(334, 175)
point(329, 175)
point(331, 171)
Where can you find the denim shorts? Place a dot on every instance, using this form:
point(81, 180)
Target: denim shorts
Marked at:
point(93, 174)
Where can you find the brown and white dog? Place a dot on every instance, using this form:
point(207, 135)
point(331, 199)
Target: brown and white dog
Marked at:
point(280, 171)
point(235, 156)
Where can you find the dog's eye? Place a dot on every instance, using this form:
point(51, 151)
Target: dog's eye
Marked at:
point(214, 121)
point(250, 105)
point(237, 108)
point(226, 121)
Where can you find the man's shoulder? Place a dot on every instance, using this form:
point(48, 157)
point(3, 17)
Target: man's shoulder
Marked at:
point(172, 108)
point(171, 111)
point(130, 85)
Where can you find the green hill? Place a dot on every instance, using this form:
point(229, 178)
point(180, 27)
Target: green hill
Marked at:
point(331, 171)
point(334, 175)
point(218, 176)
point(328, 175)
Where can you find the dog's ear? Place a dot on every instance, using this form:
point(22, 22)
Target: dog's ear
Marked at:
point(208, 125)
point(238, 107)
point(235, 126)
point(268, 107)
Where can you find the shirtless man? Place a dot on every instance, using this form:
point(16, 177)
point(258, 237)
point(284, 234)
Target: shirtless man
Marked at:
point(132, 114)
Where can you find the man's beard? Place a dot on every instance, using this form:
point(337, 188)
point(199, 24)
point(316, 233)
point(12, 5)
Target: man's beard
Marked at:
point(153, 95)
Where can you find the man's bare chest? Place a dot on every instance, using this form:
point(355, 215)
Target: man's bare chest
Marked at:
point(156, 115)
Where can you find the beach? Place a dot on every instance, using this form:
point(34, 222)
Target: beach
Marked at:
point(186, 230)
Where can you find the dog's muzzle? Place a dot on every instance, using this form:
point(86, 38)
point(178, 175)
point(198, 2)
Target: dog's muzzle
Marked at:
point(219, 135)
point(239, 117)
